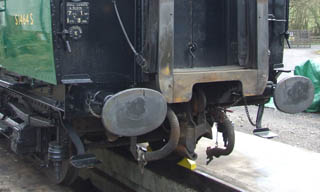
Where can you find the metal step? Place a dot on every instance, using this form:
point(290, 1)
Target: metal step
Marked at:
point(264, 133)
point(84, 161)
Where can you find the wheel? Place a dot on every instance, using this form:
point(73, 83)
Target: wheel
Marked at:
point(68, 173)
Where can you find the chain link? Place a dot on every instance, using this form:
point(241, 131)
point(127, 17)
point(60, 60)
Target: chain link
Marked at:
point(247, 112)
point(235, 103)
point(245, 107)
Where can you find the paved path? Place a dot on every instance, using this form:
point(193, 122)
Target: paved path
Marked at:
point(261, 165)
point(296, 56)
point(293, 57)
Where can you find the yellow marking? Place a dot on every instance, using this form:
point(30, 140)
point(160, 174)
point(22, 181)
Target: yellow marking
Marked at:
point(178, 100)
point(166, 71)
point(149, 149)
point(187, 163)
point(31, 19)
point(24, 19)
point(16, 19)
point(20, 19)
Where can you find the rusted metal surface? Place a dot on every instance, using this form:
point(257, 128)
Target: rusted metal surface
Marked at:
point(262, 45)
point(166, 47)
point(177, 84)
point(186, 79)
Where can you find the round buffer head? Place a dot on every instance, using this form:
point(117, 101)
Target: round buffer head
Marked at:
point(294, 94)
point(134, 112)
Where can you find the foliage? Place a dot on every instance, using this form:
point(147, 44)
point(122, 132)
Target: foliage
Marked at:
point(305, 15)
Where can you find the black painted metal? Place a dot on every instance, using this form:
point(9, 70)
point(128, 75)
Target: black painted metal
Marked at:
point(278, 10)
point(101, 54)
point(23, 139)
point(56, 152)
point(31, 119)
point(202, 26)
point(84, 161)
point(74, 137)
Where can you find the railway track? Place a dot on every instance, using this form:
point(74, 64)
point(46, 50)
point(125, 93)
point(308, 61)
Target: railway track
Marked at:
point(120, 173)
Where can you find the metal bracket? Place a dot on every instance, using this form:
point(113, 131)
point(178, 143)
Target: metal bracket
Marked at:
point(81, 160)
point(274, 19)
point(138, 153)
point(259, 131)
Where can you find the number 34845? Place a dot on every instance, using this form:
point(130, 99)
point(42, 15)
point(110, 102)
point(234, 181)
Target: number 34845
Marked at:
point(24, 19)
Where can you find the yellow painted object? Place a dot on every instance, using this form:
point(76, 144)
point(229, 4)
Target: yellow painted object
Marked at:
point(149, 148)
point(187, 163)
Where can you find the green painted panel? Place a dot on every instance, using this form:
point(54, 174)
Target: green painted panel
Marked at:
point(26, 39)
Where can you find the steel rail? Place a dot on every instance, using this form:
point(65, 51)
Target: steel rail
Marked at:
point(156, 176)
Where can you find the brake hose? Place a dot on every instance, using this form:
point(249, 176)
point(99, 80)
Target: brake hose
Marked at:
point(139, 58)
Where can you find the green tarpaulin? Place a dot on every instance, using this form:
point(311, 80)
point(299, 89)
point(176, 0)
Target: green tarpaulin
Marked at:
point(311, 70)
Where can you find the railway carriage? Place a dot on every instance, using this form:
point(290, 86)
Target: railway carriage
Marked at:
point(107, 73)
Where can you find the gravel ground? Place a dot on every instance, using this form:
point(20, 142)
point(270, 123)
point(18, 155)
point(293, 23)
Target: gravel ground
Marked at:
point(301, 130)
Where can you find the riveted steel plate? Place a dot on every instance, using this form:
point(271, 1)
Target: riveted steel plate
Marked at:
point(294, 94)
point(134, 112)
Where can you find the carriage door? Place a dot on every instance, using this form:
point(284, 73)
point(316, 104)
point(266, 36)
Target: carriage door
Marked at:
point(200, 33)
point(209, 33)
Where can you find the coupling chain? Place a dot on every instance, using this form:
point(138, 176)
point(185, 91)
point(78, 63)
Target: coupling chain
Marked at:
point(247, 112)
point(245, 107)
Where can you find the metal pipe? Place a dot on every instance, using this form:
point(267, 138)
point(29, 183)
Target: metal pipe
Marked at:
point(228, 136)
point(143, 156)
point(173, 139)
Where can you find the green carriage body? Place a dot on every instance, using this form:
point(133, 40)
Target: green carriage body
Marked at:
point(26, 45)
